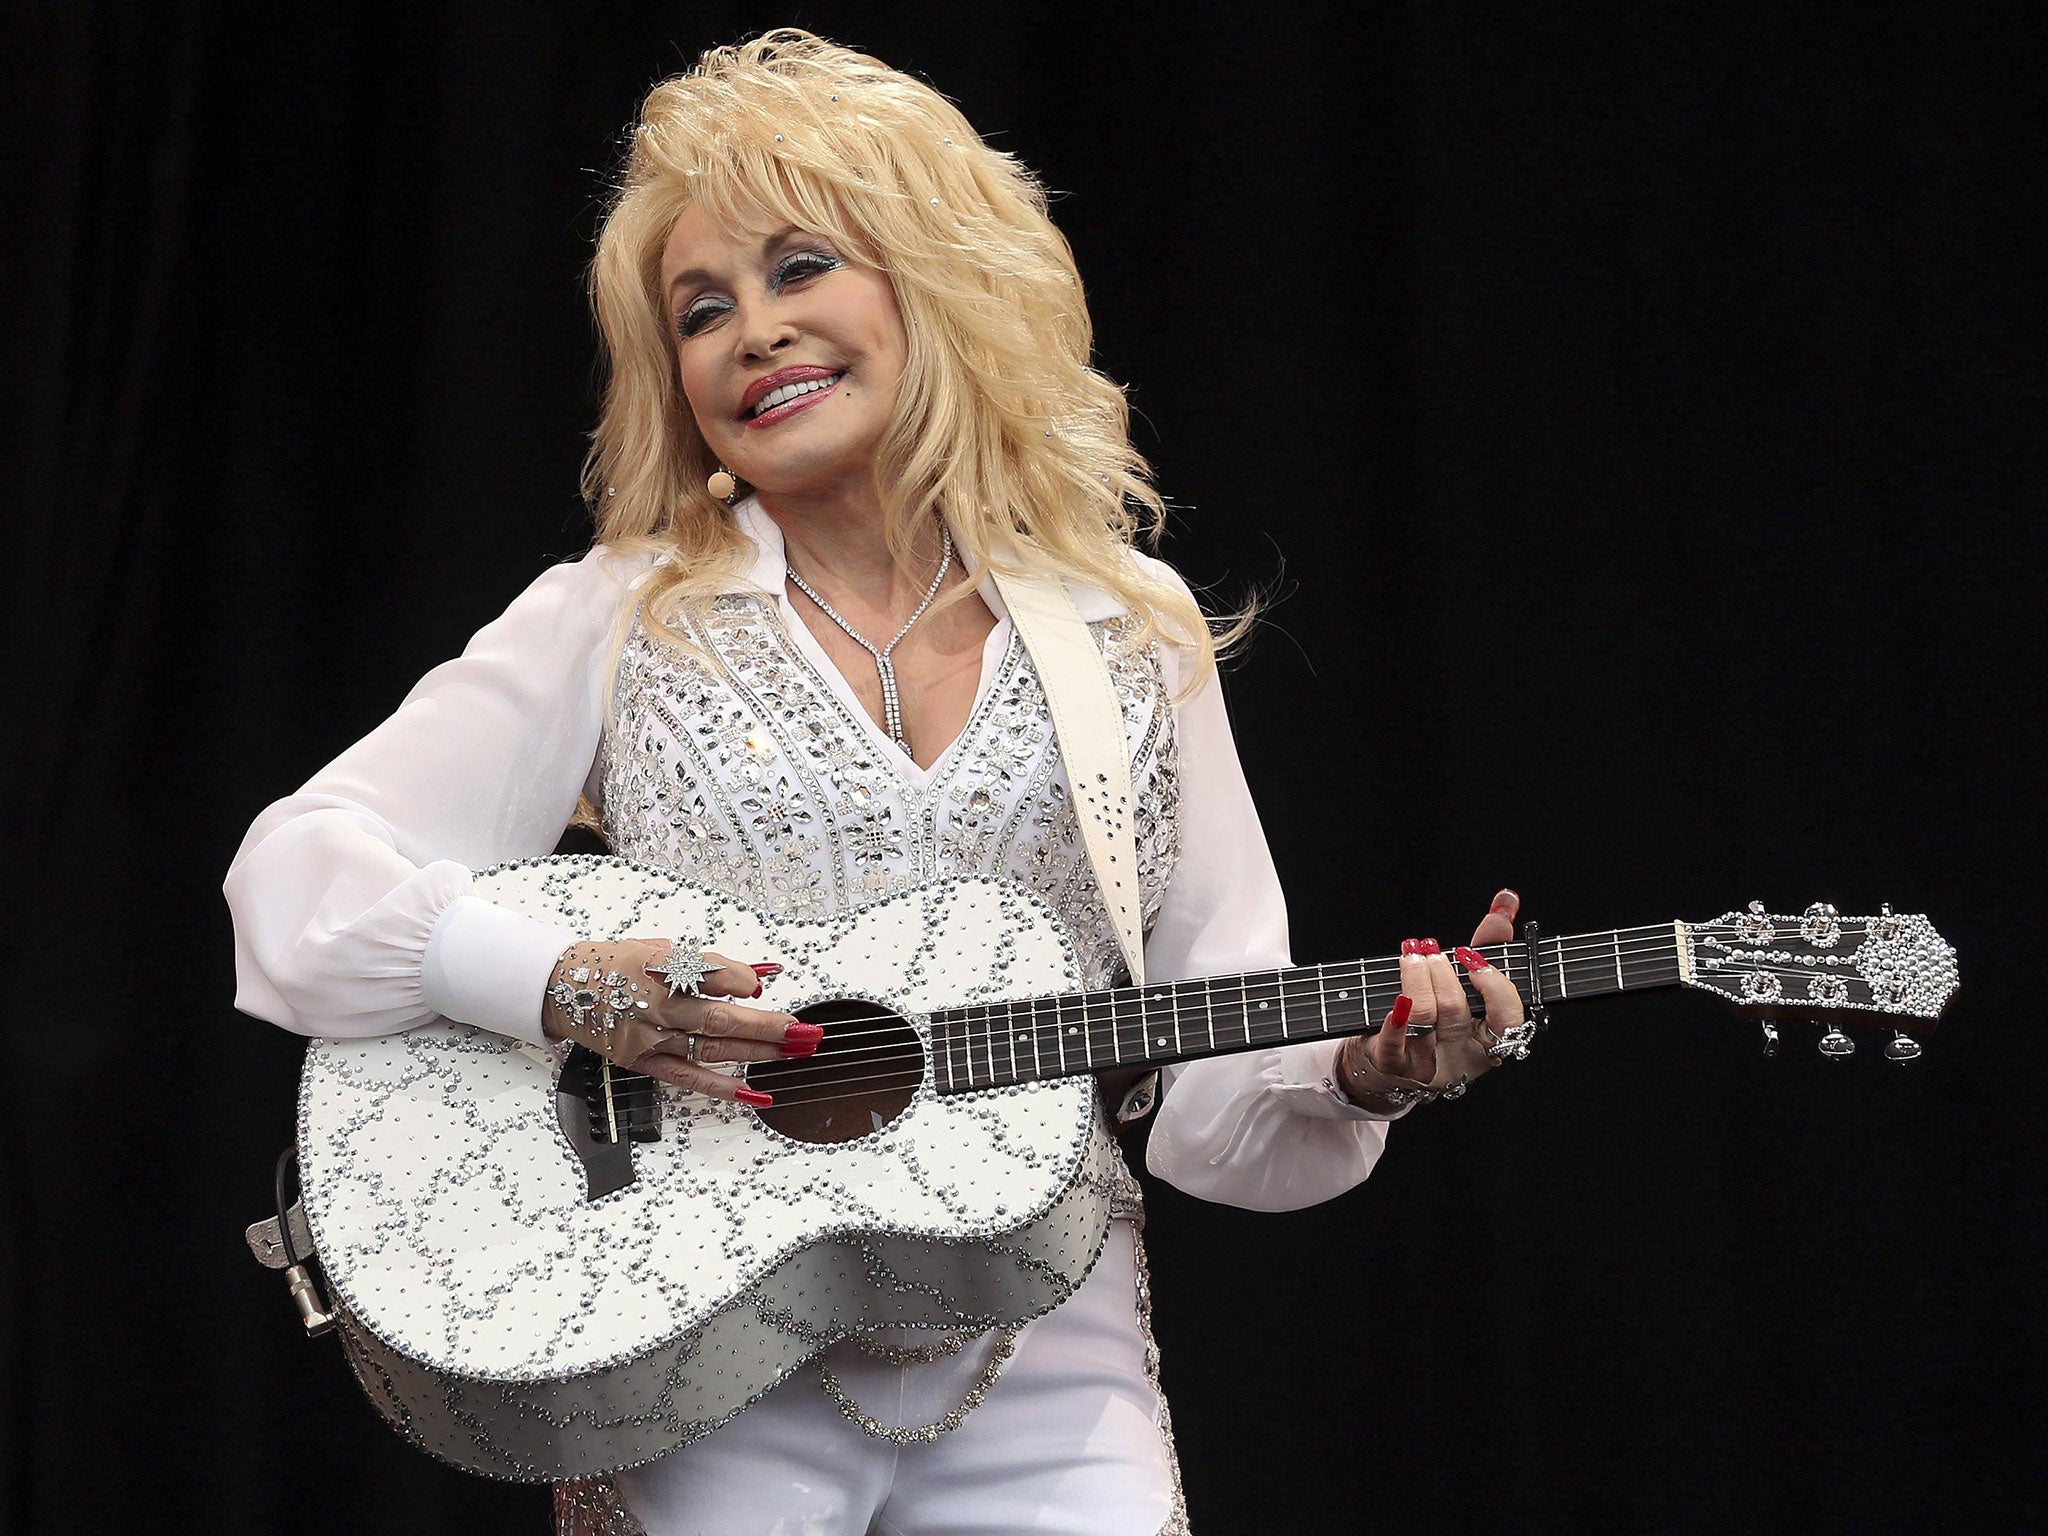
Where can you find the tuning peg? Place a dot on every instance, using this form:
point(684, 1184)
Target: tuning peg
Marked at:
point(1901, 1048)
point(1836, 1045)
point(1770, 1039)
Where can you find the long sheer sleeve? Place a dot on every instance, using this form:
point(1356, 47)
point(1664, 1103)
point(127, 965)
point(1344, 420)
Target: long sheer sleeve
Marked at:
point(1265, 1129)
point(351, 898)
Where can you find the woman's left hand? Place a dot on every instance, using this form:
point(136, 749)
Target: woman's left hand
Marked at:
point(1430, 1040)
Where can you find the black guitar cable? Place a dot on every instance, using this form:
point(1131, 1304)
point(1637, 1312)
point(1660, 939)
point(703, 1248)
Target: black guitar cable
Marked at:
point(315, 1318)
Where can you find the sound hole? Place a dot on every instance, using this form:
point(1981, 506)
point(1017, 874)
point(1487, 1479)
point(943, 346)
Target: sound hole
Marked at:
point(866, 1070)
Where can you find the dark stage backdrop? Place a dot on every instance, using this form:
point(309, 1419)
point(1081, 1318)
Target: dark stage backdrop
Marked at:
point(1641, 409)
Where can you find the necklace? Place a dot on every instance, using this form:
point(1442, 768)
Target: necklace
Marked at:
point(892, 705)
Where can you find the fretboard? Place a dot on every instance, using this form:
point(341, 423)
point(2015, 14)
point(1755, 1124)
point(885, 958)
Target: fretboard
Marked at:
point(997, 1044)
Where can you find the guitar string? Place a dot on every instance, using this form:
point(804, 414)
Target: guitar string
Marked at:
point(1622, 944)
point(878, 1082)
point(1374, 975)
point(1114, 997)
point(1103, 1019)
point(830, 1068)
point(1577, 949)
point(634, 1095)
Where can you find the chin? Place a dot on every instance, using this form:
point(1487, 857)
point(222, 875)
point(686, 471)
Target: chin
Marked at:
point(810, 470)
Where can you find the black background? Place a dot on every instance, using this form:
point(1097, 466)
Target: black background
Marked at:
point(1644, 403)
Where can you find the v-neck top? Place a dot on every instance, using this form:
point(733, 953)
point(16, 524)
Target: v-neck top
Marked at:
point(767, 577)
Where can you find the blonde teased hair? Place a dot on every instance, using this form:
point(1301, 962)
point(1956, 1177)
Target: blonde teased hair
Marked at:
point(999, 420)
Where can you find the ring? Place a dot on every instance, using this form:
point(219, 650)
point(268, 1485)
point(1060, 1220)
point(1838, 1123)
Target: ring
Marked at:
point(684, 970)
point(1421, 1029)
point(1513, 1042)
point(690, 1043)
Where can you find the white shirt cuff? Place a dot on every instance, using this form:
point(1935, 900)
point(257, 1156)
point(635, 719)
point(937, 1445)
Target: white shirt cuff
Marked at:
point(1308, 1083)
point(489, 966)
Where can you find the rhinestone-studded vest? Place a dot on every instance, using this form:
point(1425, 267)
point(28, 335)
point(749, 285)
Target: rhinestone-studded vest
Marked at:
point(737, 764)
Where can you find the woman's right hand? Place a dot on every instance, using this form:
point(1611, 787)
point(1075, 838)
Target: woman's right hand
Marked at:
point(607, 995)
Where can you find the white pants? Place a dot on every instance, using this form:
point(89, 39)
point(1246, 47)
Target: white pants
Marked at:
point(1072, 1439)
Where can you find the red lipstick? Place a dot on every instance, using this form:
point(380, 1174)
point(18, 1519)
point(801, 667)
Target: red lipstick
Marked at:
point(768, 383)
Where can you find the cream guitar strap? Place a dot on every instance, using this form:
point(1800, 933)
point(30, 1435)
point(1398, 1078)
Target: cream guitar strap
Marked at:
point(1090, 726)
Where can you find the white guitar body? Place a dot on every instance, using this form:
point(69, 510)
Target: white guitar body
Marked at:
point(509, 1322)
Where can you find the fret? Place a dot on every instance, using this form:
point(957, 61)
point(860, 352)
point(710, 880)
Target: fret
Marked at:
point(1582, 973)
point(1133, 1043)
point(1209, 1007)
point(1620, 985)
point(1246, 1010)
point(1010, 1039)
point(1255, 1019)
point(1163, 1033)
point(1654, 960)
point(1059, 1039)
point(1087, 1040)
point(1355, 996)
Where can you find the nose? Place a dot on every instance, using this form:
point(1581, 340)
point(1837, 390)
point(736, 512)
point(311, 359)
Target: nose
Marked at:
point(764, 331)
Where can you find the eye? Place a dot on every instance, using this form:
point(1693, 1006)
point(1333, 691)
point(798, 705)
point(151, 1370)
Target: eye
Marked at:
point(699, 315)
point(798, 265)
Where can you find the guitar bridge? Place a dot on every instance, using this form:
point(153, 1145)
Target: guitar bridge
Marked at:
point(603, 1110)
point(623, 1105)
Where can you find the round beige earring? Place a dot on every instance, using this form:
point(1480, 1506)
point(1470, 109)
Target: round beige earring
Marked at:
point(721, 484)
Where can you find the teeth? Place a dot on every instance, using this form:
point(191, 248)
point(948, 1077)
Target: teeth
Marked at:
point(789, 392)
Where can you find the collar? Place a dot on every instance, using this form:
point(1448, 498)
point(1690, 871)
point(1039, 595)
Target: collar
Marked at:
point(766, 575)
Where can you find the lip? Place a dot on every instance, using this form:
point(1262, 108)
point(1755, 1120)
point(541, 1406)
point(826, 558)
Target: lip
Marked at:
point(780, 377)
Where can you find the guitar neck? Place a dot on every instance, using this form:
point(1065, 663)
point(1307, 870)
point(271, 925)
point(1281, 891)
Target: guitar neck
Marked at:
point(995, 1045)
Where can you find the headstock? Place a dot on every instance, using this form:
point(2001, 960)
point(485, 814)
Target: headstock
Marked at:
point(1889, 967)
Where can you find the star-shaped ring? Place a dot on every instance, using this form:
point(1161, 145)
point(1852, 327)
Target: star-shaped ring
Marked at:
point(684, 970)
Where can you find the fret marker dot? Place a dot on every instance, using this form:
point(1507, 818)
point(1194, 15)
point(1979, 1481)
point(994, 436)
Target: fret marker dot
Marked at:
point(1160, 1041)
point(1262, 1005)
point(1342, 995)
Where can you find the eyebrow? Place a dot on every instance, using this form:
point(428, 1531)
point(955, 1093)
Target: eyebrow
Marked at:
point(699, 275)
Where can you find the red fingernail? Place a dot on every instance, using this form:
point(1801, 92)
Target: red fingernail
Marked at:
point(1472, 960)
point(804, 1034)
point(1398, 1014)
point(1411, 946)
point(798, 1047)
point(766, 972)
point(1506, 903)
point(757, 990)
point(1431, 947)
point(754, 1098)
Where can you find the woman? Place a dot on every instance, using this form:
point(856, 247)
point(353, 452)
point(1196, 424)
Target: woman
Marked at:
point(848, 382)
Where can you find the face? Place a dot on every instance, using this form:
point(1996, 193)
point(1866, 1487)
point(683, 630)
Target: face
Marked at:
point(790, 355)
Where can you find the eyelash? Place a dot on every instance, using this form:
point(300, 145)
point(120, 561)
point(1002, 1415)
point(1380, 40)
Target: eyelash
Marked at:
point(816, 263)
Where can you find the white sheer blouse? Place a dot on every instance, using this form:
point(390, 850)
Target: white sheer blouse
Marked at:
point(352, 904)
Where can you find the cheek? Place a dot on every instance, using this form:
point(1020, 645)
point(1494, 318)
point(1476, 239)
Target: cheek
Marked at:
point(882, 322)
point(697, 386)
